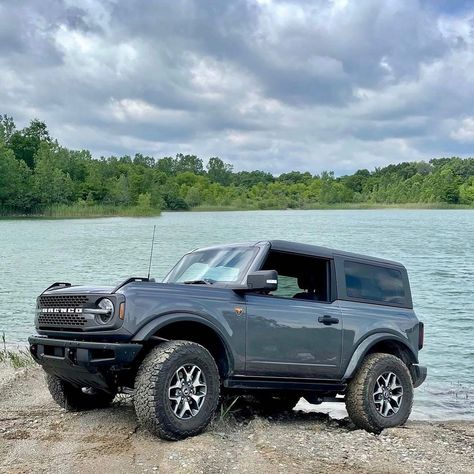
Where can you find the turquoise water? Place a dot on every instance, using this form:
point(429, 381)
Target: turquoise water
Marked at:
point(436, 246)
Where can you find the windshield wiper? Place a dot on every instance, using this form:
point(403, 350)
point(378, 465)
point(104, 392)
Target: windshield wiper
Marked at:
point(204, 281)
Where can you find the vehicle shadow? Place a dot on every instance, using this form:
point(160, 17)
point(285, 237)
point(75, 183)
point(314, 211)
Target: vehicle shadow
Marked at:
point(237, 412)
point(242, 410)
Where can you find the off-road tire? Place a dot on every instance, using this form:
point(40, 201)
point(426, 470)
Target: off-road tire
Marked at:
point(73, 398)
point(359, 397)
point(153, 379)
point(277, 403)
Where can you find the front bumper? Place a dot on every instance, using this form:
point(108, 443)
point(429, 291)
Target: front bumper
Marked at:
point(418, 373)
point(84, 363)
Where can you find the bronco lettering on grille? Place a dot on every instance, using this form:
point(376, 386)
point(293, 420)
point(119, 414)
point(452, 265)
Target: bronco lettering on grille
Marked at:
point(61, 310)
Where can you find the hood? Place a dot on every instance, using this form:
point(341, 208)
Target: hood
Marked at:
point(80, 290)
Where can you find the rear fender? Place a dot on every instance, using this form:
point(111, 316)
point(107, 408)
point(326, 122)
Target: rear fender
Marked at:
point(364, 348)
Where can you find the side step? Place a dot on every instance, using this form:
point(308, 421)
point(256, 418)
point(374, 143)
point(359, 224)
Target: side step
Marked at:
point(244, 382)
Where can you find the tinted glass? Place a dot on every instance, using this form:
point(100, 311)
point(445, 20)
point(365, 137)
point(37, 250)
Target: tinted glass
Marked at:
point(371, 282)
point(225, 265)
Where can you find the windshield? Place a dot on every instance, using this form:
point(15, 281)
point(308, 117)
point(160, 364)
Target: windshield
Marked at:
point(226, 265)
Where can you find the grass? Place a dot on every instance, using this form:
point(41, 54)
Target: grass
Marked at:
point(336, 206)
point(17, 359)
point(225, 414)
point(73, 211)
point(374, 205)
point(226, 408)
point(99, 210)
point(212, 208)
point(78, 211)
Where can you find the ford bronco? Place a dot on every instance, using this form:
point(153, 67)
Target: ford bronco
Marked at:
point(274, 319)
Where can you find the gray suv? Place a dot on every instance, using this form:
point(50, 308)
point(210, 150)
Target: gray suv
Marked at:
point(273, 319)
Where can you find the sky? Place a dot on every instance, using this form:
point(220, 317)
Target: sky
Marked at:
point(263, 84)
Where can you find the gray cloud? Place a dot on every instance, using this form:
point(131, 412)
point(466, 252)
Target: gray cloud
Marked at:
point(276, 85)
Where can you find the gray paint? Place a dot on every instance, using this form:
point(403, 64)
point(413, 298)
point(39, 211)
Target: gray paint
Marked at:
point(285, 338)
point(271, 336)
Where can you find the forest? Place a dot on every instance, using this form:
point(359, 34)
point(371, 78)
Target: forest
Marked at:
point(40, 177)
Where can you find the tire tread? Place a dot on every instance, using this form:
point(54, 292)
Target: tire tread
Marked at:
point(72, 398)
point(357, 398)
point(149, 375)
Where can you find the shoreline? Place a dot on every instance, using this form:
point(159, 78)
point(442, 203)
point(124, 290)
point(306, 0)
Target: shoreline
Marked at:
point(34, 432)
point(316, 207)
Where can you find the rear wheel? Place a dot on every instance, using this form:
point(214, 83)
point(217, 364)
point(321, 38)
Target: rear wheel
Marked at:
point(177, 390)
point(77, 398)
point(381, 394)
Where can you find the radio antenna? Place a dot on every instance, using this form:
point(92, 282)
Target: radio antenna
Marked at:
point(151, 252)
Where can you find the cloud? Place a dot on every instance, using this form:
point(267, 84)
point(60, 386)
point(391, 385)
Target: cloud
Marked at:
point(275, 85)
point(465, 133)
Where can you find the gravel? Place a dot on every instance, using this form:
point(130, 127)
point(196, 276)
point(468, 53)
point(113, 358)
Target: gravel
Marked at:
point(38, 436)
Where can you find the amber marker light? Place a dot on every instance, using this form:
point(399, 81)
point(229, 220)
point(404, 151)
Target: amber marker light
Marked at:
point(122, 310)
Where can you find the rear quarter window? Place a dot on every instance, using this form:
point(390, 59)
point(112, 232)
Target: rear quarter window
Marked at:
point(374, 283)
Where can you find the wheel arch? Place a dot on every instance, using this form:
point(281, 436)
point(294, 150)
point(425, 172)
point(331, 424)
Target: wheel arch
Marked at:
point(381, 343)
point(190, 327)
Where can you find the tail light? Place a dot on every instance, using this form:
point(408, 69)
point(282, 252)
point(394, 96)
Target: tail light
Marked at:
point(421, 335)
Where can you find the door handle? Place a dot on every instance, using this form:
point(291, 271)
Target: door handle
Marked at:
point(327, 320)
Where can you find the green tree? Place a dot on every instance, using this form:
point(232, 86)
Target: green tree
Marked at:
point(25, 143)
point(51, 184)
point(251, 178)
point(15, 182)
point(144, 203)
point(189, 163)
point(219, 172)
point(119, 192)
point(295, 177)
point(166, 165)
point(466, 192)
point(36, 173)
point(7, 128)
point(193, 197)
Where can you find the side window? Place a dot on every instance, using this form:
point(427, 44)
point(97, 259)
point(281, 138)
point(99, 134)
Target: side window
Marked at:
point(299, 276)
point(375, 283)
point(287, 286)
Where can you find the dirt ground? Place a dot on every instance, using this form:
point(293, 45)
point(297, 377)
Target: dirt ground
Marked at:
point(38, 436)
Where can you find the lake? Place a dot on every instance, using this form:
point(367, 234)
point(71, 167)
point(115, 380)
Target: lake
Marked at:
point(437, 247)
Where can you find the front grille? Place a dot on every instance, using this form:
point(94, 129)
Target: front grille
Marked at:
point(61, 320)
point(62, 301)
point(67, 315)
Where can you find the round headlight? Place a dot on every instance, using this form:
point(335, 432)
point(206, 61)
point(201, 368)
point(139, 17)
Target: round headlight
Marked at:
point(108, 306)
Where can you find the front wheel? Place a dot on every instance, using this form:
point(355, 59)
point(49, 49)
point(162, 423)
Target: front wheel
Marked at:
point(381, 394)
point(77, 398)
point(176, 390)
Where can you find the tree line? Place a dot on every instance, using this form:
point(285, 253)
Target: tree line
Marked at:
point(38, 175)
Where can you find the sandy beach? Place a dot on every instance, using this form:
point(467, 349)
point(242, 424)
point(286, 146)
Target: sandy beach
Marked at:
point(38, 436)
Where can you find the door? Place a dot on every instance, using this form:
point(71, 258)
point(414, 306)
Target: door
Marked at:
point(297, 330)
point(289, 338)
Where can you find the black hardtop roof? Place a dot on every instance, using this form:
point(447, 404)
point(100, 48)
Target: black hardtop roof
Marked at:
point(308, 249)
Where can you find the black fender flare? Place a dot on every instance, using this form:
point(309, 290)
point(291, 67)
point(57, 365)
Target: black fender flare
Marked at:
point(364, 347)
point(162, 320)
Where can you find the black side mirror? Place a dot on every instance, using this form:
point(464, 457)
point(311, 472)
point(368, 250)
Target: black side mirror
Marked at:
point(263, 280)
